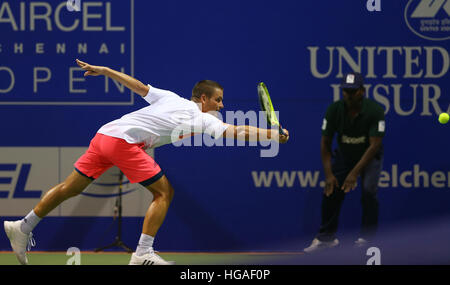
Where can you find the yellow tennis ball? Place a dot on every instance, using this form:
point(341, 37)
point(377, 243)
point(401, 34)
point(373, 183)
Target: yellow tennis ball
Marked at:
point(443, 118)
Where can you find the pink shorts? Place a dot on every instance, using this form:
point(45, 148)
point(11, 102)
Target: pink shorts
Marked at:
point(105, 151)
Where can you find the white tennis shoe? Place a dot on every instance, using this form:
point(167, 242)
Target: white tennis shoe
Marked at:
point(149, 259)
point(317, 245)
point(20, 242)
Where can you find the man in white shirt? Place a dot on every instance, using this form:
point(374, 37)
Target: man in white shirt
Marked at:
point(122, 143)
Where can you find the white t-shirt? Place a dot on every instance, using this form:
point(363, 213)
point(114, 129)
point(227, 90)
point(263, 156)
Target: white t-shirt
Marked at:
point(168, 118)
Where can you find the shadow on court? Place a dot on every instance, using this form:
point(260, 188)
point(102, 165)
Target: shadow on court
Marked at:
point(421, 243)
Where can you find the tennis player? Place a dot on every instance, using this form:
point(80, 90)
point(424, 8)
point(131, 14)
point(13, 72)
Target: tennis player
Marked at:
point(122, 143)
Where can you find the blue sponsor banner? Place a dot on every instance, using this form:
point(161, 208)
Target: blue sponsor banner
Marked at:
point(40, 41)
point(231, 198)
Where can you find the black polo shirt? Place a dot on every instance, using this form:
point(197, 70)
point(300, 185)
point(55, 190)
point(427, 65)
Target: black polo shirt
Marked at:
point(353, 134)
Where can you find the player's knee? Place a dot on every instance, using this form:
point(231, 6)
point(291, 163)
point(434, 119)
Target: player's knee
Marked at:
point(168, 193)
point(165, 193)
point(162, 189)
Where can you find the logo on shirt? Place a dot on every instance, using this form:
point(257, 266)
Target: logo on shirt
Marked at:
point(381, 126)
point(324, 124)
point(350, 140)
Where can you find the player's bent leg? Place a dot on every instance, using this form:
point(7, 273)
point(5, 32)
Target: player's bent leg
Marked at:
point(162, 197)
point(163, 194)
point(19, 232)
point(74, 184)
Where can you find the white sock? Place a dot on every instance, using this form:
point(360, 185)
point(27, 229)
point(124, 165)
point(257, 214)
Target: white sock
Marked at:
point(29, 222)
point(145, 245)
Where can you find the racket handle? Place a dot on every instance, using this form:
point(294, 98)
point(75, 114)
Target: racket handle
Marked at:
point(281, 130)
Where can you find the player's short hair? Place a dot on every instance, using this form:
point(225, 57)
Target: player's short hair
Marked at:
point(207, 87)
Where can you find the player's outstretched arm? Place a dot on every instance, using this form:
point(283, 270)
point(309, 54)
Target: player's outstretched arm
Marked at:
point(131, 83)
point(250, 133)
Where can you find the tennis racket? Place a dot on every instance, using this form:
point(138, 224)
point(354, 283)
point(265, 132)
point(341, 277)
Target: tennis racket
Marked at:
point(266, 106)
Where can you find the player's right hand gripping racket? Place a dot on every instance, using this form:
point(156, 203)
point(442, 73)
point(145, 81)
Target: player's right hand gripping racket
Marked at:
point(266, 106)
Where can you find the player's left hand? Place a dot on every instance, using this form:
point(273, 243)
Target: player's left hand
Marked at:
point(350, 182)
point(91, 69)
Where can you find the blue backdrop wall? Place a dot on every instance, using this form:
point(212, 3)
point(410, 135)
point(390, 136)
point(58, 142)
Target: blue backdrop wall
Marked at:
point(230, 198)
